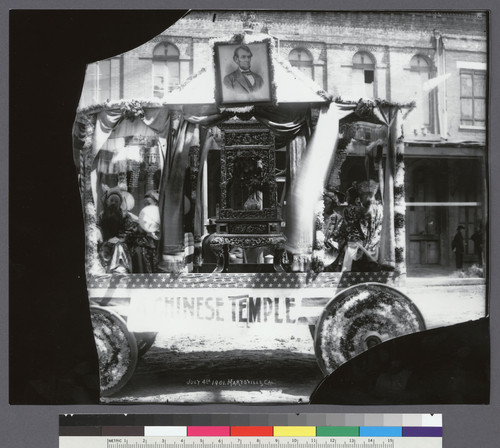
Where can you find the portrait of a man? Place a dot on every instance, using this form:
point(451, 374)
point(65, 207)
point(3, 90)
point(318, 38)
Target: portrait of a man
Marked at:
point(243, 73)
point(243, 79)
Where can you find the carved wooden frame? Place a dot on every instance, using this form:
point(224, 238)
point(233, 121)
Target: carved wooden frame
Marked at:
point(248, 140)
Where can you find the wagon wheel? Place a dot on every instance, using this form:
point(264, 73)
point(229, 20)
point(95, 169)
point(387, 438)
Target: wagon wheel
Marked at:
point(116, 349)
point(144, 342)
point(359, 318)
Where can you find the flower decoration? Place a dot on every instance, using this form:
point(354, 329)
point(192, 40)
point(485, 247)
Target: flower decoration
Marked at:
point(132, 109)
point(317, 265)
point(399, 255)
point(399, 192)
point(118, 105)
point(399, 220)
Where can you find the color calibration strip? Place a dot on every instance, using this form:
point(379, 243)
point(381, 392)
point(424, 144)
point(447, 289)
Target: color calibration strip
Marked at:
point(248, 425)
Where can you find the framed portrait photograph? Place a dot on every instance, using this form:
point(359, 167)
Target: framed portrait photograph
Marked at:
point(243, 73)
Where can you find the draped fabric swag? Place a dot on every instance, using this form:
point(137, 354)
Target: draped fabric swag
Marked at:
point(181, 131)
point(290, 124)
point(310, 180)
point(391, 117)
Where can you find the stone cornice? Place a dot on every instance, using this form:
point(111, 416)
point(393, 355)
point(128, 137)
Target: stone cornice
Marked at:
point(392, 20)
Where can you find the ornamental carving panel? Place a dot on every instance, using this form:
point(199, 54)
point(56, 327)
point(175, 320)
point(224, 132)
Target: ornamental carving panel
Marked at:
point(247, 228)
point(246, 242)
point(194, 169)
point(248, 183)
point(267, 213)
point(248, 138)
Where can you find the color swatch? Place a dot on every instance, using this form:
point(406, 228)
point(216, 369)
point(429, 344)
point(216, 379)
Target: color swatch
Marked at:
point(251, 425)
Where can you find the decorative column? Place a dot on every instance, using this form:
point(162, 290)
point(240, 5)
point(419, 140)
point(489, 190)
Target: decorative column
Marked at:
point(194, 173)
point(397, 137)
point(92, 263)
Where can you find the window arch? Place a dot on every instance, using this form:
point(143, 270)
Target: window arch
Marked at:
point(166, 69)
point(420, 73)
point(363, 65)
point(420, 63)
point(301, 59)
point(363, 60)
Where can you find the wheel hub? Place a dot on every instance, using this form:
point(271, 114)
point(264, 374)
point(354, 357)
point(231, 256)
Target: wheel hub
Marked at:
point(371, 340)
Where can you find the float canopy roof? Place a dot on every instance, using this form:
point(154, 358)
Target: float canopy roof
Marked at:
point(292, 86)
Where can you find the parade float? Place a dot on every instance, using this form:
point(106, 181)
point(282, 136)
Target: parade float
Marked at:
point(221, 196)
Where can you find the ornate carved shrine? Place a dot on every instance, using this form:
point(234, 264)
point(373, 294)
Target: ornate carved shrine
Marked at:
point(249, 215)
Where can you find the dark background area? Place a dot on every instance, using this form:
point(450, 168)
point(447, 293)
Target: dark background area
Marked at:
point(52, 353)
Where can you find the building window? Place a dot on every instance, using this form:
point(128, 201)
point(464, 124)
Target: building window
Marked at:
point(473, 98)
point(101, 82)
point(420, 72)
point(104, 80)
point(363, 66)
point(166, 69)
point(302, 60)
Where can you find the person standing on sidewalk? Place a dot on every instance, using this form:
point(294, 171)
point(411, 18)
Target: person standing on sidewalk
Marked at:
point(477, 238)
point(457, 246)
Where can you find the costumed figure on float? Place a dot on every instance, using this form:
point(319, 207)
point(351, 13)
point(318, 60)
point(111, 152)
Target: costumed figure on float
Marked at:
point(117, 232)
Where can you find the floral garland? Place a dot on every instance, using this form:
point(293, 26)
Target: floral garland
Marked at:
point(400, 205)
point(365, 104)
point(129, 106)
point(188, 80)
point(237, 110)
point(132, 109)
point(93, 266)
point(317, 264)
point(89, 122)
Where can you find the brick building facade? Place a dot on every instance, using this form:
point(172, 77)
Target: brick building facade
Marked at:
point(438, 59)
